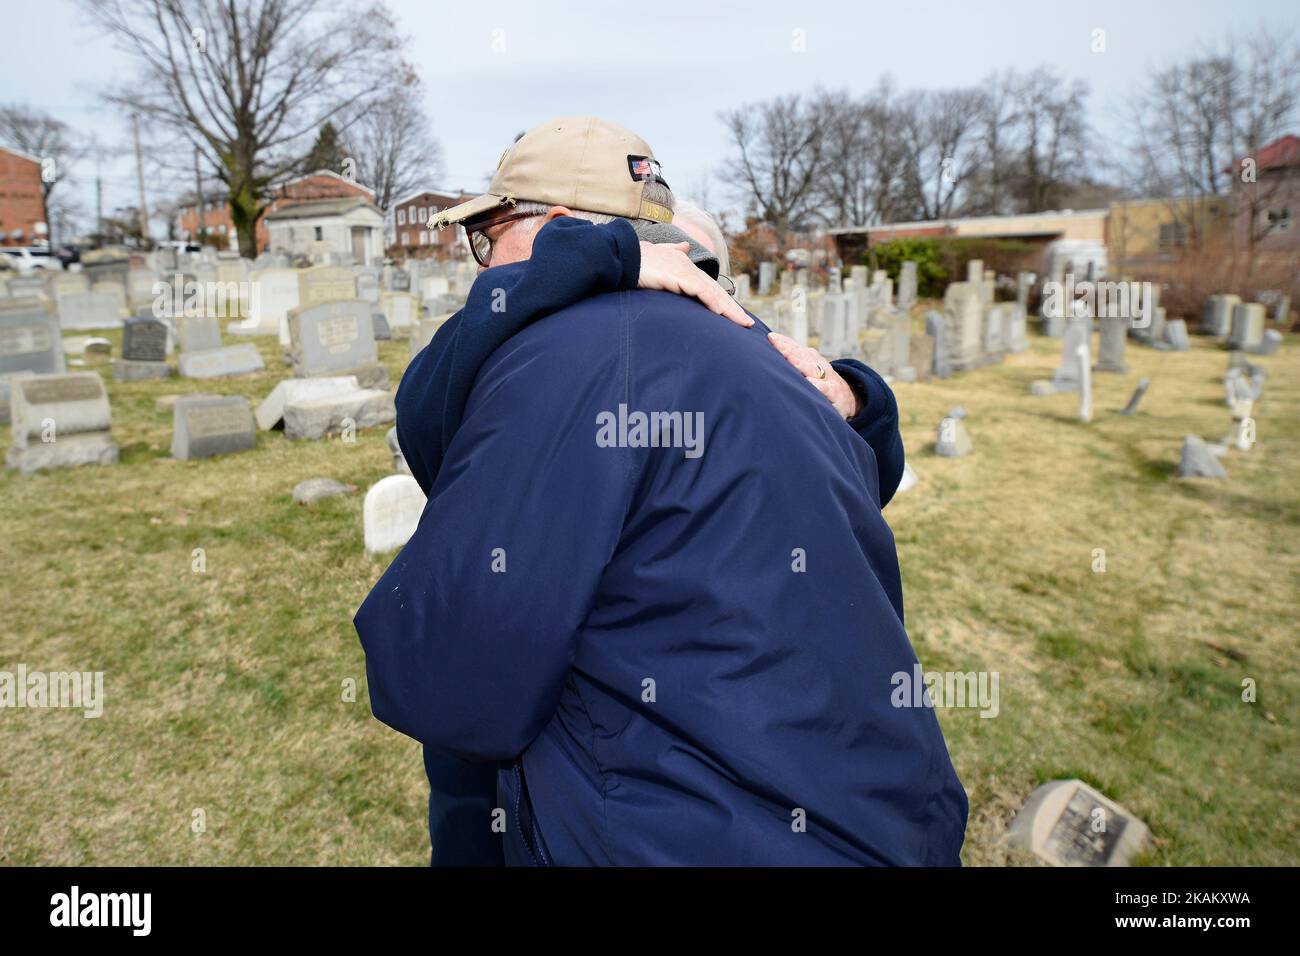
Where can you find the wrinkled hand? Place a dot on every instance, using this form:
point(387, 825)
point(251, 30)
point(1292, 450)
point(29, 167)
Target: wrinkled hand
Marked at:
point(818, 371)
point(665, 266)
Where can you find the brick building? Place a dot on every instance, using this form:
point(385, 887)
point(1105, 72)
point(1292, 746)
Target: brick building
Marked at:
point(22, 200)
point(411, 235)
point(322, 184)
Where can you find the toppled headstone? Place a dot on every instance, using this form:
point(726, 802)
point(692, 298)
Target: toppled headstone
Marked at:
point(271, 412)
point(391, 512)
point(1198, 461)
point(203, 427)
point(952, 439)
point(1068, 823)
point(1141, 390)
point(315, 418)
point(1176, 335)
point(1270, 343)
point(59, 421)
point(318, 489)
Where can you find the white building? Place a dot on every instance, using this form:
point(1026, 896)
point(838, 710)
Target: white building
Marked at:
point(351, 229)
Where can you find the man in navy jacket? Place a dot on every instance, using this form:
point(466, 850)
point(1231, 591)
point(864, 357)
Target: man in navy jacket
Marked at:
point(652, 583)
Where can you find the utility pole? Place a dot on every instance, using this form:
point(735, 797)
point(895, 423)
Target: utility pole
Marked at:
point(99, 206)
point(139, 174)
point(198, 195)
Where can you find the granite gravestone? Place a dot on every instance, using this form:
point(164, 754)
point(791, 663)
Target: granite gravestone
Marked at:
point(1247, 326)
point(59, 421)
point(1141, 390)
point(89, 310)
point(29, 342)
point(272, 293)
point(401, 309)
point(144, 351)
point(1068, 823)
point(1217, 316)
point(935, 328)
point(335, 338)
point(951, 437)
point(220, 363)
point(1114, 336)
point(963, 319)
point(1176, 335)
point(1198, 461)
point(198, 333)
point(325, 284)
point(204, 427)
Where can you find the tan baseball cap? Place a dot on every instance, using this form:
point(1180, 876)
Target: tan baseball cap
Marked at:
point(581, 162)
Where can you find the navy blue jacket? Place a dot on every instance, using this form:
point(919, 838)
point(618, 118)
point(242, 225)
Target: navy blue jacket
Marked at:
point(571, 261)
point(676, 659)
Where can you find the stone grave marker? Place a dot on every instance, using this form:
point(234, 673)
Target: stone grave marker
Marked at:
point(325, 284)
point(272, 293)
point(59, 421)
point(401, 309)
point(963, 317)
point(951, 438)
point(1217, 316)
point(1068, 823)
point(1198, 461)
point(1077, 333)
point(29, 343)
point(198, 333)
point(144, 351)
point(1131, 407)
point(935, 327)
point(314, 418)
point(270, 413)
point(204, 427)
point(89, 310)
point(219, 363)
point(1176, 335)
point(335, 338)
point(907, 285)
point(1114, 336)
point(1247, 326)
point(766, 277)
point(391, 512)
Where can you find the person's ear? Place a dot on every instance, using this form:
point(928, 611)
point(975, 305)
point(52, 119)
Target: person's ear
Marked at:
point(556, 212)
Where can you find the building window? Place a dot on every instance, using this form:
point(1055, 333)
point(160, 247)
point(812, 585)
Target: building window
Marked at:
point(320, 233)
point(406, 238)
point(401, 217)
point(1279, 219)
point(222, 228)
point(1172, 235)
point(424, 238)
point(424, 214)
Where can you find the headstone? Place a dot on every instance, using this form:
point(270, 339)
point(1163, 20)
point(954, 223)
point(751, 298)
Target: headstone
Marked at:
point(1282, 309)
point(270, 412)
point(1241, 435)
point(766, 276)
point(382, 332)
point(67, 283)
point(89, 310)
point(962, 314)
point(59, 421)
point(368, 288)
point(391, 512)
point(423, 331)
point(742, 287)
point(1114, 336)
point(1131, 407)
point(1271, 342)
point(318, 489)
point(204, 427)
point(1024, 283)
point(401, 309)
point(1015, 328)
point(144, 351)
point(1247, 326)
point(951, 437)
point(315, 418)
point(1077, 333)
point(1198, 461)
point(1217, 317)
point(907, 285)
point(1068, 823)
point(1176, 335)
point(335, 338)
point(272, 293)
point(197, 333)
point(975, 272)
point(222, 362)
point(1085, 382)
point(935, 327)
point(29, 342)
point(901, 348)
point(28, 287)
point(996, 319)
point(395, 448)
point(430, 287)
point(908, 481)
point(325, 284)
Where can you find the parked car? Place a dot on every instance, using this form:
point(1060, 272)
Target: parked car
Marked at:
point(28, 260)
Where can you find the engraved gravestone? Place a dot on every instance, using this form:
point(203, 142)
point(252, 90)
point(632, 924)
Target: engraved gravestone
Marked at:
point(89, 310)
point(29, 342)
point(144, 351)
point(334, 338)
point(59, 421)
point(197, 333)
point(203, 427)
point(325, 284)
point(1068, 823)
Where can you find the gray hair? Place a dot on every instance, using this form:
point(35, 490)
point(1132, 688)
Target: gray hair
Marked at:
point(653, 192)
point(701, 218)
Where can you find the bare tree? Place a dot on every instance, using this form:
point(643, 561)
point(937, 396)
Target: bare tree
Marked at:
point(249, 83)
point(393, 146)
point(863, 159)
point(1051, 113)
point(779, 148)
point(939, 132)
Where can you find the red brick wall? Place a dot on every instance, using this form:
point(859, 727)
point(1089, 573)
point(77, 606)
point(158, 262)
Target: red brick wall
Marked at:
point(22, 204)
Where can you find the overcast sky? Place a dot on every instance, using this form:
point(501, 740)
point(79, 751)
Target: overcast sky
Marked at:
point(664, 69)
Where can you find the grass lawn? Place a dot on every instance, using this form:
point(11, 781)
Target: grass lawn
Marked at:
point(225, 689)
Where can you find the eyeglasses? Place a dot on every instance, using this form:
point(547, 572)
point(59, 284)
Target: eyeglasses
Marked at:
point(728, 284)
point(480, 243)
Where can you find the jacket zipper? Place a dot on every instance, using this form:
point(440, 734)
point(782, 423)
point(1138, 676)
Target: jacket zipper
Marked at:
point(533, 843)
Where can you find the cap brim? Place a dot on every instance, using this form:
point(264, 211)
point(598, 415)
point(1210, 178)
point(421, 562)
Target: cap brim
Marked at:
point(469, 210)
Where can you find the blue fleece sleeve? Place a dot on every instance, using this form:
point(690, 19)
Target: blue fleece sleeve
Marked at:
point(876, 423)
point(469, 633)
